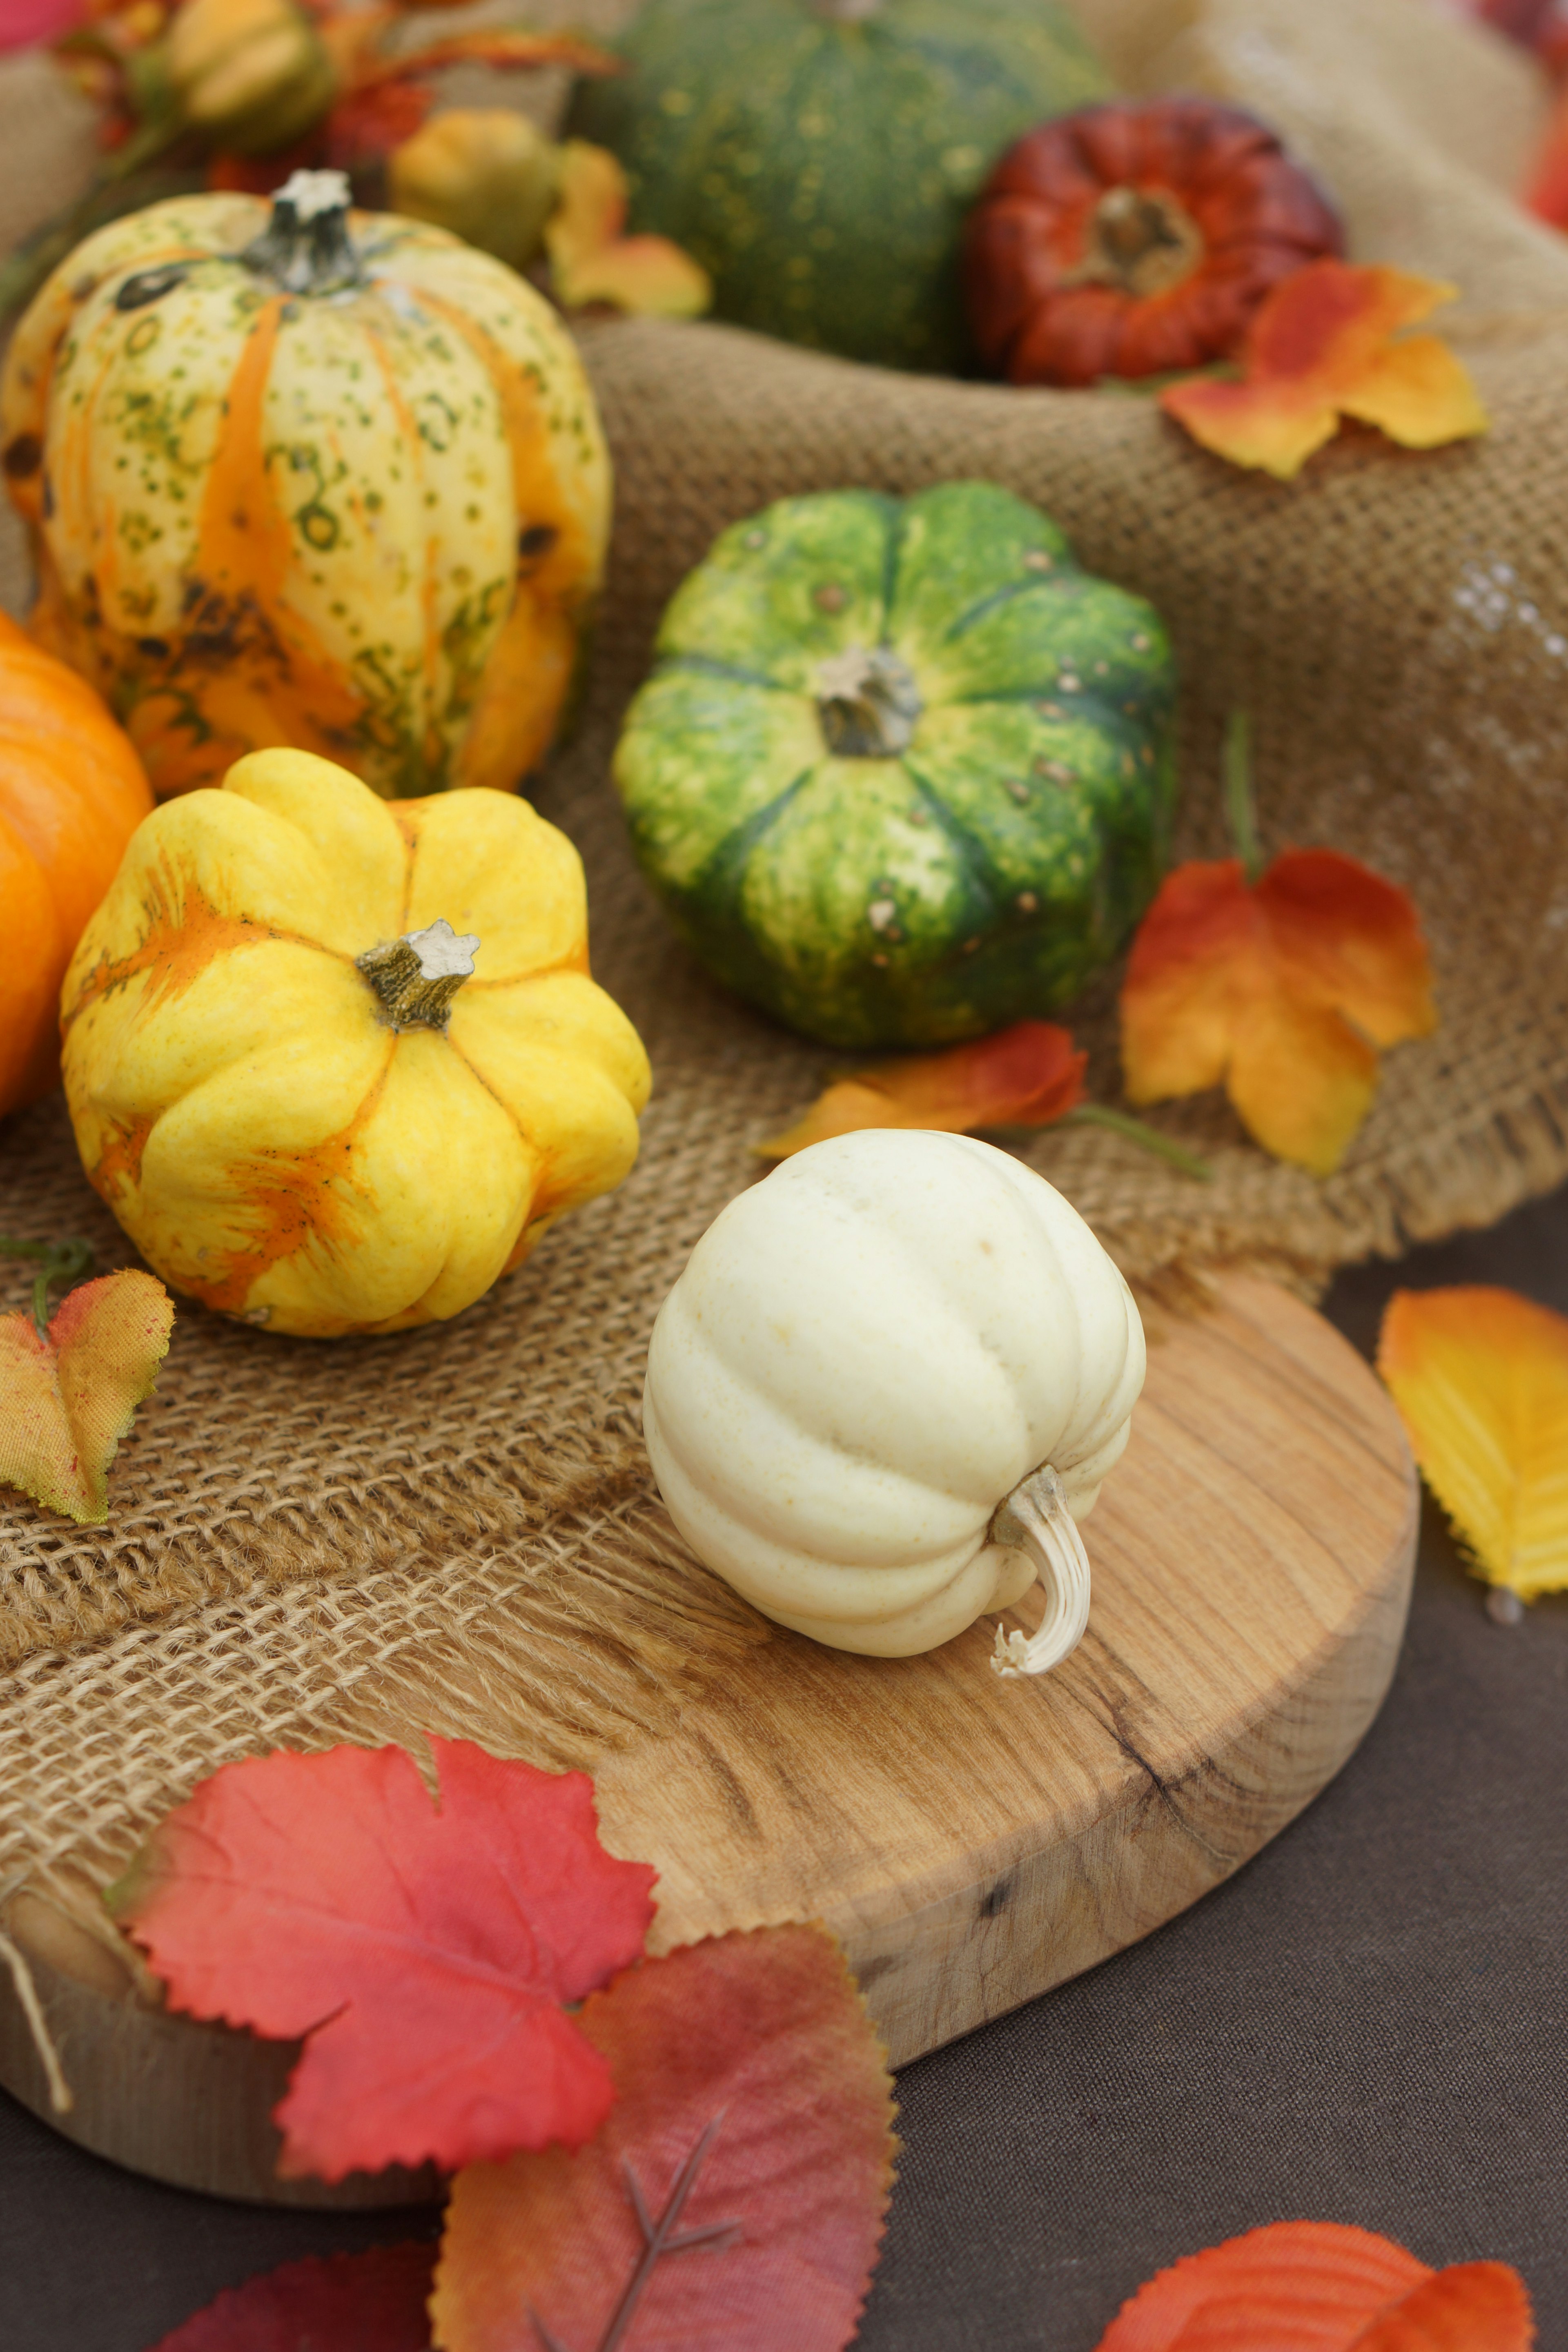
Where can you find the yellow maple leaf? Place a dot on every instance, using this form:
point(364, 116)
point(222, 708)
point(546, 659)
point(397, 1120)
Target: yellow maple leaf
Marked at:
point(1480, 1379)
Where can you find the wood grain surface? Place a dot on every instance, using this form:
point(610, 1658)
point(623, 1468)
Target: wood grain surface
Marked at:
point(973, 1841)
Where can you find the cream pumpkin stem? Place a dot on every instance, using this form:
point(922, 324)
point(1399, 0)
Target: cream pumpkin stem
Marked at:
point(305, 247)
point(417, 976)
point(1036, 1519)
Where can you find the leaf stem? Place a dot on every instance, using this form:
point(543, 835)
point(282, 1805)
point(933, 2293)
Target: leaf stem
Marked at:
point(1237, 759)
point(659, 2238)
point(64, 1262)
point(1136, 1130)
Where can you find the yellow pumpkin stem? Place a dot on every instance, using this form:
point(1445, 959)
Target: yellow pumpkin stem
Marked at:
point(417, 976)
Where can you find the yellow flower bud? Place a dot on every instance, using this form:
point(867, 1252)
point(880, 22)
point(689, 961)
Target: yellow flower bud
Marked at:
point(251, 74)
point(484, 173)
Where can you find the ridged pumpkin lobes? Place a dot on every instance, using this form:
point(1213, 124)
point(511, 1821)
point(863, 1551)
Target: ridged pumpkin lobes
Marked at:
point(72, 793)
point(251, 74)
point(312, 1145)
point(301, 476)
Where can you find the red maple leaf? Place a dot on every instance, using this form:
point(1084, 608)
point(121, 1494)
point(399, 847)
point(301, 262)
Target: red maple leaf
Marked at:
point(735, 2196)
point(372, 2302)
point(1320, 2286)
point(425, 1953)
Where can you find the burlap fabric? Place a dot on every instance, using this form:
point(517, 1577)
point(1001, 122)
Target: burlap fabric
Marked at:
point(457, 1529)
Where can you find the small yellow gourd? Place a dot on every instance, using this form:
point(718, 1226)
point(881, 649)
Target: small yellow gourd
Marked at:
point(886, 1388)
point(335, 1063)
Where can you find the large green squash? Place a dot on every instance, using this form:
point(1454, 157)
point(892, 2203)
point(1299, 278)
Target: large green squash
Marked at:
point(904, 771)
point(818, 156)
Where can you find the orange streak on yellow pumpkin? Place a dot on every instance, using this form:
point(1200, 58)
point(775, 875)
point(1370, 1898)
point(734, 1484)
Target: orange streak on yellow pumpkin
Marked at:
point(246, 543)
point(120, 1162)
point(294, 1195)
point(185, 933)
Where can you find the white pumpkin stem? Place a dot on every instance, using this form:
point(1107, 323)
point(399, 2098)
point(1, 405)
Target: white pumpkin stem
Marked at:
point(1036, 1519)
point(417, 976)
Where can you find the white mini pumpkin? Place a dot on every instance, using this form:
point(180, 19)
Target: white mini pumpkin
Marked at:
point(889, 1383)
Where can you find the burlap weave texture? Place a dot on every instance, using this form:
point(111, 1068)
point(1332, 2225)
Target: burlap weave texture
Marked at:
point(457, 1529)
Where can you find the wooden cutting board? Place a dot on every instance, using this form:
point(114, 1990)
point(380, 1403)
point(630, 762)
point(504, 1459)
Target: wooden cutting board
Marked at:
point(973, 1841)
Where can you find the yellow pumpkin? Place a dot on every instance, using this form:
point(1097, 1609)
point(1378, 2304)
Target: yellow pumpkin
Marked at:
point(299, 476)
point(336, 1063)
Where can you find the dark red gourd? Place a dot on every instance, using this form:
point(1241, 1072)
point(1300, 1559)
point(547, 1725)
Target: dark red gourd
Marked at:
point(1132, 240)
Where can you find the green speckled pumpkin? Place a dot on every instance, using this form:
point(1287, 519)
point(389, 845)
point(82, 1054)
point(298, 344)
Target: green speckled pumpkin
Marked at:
point(903, 771)
point(818, 156)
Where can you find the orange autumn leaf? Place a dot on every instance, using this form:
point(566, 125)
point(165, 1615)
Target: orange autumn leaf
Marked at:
point(1024, 1075)
point(1322, 2286)
point(67, 1399)
point(1480, 1380)
point(591, 261)
point(1326, 344)
point(1280, 991)
point(735, 2195)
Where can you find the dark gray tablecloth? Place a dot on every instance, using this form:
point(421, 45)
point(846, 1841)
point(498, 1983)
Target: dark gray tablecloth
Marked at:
point(1369, 2023)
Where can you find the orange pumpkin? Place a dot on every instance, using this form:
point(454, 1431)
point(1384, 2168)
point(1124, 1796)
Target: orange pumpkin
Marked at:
point(72, 793)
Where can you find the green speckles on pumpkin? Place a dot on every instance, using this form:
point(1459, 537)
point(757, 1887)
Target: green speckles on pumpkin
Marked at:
point(983, 873)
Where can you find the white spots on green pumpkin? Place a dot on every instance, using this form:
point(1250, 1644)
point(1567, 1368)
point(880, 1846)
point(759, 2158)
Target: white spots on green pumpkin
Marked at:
point(1038, 559)
point(918, 815)
point(1049, 710)
point(755, 540)
point(1057, 771)
point(881, 915)
point(881, 960)
point(831, 597)
point(1139, 642)
point(1019, 791)
point(1027, 903)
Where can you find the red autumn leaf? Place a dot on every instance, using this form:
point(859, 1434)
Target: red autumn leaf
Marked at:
point(425, 1953)
point(22, 21)
point(736, 2195)
point(1322, 2286)
point(1323, 345)
point(501, 49)
point(67, 1400)
point(1026, 1075)
point(591, 260)
point(372, 2302)
point(1280, 991)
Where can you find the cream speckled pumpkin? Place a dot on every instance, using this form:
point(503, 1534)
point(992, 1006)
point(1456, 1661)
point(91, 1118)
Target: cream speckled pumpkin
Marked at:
point(301, 476)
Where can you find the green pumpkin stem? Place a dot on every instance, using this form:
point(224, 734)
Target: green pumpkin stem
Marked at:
point(867, 703)
point(417, 976)
point(65, 1262)
point(305, 247)
point(1135, 1131)
point(1239, 802)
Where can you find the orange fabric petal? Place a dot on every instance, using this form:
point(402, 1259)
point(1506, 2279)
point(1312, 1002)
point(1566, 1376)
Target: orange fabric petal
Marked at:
point(1024, 1075)
point(1293, 2286)
point(1281, 991)
point(1480, 1380)
point(1319, 346)
point(1471, 2307)
point(66, 1402)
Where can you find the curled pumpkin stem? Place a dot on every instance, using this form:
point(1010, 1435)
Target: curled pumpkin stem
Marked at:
point(1036, 1519)
point(66, 1262)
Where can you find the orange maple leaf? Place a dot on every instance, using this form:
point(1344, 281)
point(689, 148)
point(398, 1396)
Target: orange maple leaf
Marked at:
point(749, 2137)
point(1322, 2286)
point(1480, 1380)
point(69, 1394)
point(1322, 346)
point(1024, 1075)
point(591, 260)
point(1282, 990)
